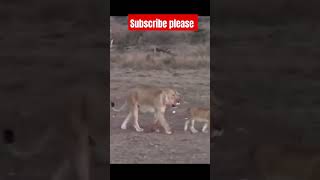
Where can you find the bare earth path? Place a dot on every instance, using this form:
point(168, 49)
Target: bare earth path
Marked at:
point(128, 146)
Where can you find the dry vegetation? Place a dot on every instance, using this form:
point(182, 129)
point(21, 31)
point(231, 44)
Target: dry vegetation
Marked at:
point(187, 50)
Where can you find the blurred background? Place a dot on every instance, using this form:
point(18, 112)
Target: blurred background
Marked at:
point(266, 73)
point(47, 47)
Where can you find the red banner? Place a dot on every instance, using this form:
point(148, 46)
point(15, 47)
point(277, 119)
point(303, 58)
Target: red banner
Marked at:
point(163, 22)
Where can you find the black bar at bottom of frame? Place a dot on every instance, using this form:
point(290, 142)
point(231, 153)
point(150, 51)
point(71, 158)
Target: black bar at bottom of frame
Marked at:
point(151, 171)
point(125, 7)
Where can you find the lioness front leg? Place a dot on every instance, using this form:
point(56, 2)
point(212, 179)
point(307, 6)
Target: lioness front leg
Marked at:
point(125, 122)
point(156, 125)
point(204, 128)
point(186, 124)
point(193, 130)
point(164, 123)
point(136, 123)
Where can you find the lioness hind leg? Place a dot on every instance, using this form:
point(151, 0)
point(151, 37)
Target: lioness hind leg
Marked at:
point(193, 130)
point(136, 123)
point(125, 122)
point(204, 128)
point(186, 124)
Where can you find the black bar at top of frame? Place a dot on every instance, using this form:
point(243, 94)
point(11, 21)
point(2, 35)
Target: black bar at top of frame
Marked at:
point(125, 7)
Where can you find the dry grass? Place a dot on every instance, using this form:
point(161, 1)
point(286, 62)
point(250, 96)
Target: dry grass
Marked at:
point(188, 50)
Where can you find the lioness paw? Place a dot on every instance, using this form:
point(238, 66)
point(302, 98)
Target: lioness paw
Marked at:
point(138, 129)
point(124, 127)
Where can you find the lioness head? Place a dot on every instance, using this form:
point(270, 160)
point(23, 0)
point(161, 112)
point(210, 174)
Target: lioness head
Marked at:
point(172, 97)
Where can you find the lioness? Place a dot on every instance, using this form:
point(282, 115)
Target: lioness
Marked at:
point(145, 98)
point(286, 161)
point(80, 125)
point(198, 114)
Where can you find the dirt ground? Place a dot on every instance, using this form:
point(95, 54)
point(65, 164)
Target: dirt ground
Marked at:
point(190, 76)
point(128, 146)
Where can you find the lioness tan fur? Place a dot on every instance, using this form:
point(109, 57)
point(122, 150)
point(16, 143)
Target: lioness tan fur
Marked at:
point(146, 98)
point(198, 114)
point(83, 120)
point(287, 161)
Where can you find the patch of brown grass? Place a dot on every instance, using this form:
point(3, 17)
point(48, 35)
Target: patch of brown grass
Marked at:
point(188, 50)
point(145, 60)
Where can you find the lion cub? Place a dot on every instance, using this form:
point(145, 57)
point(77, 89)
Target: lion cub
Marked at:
point(198, 114)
